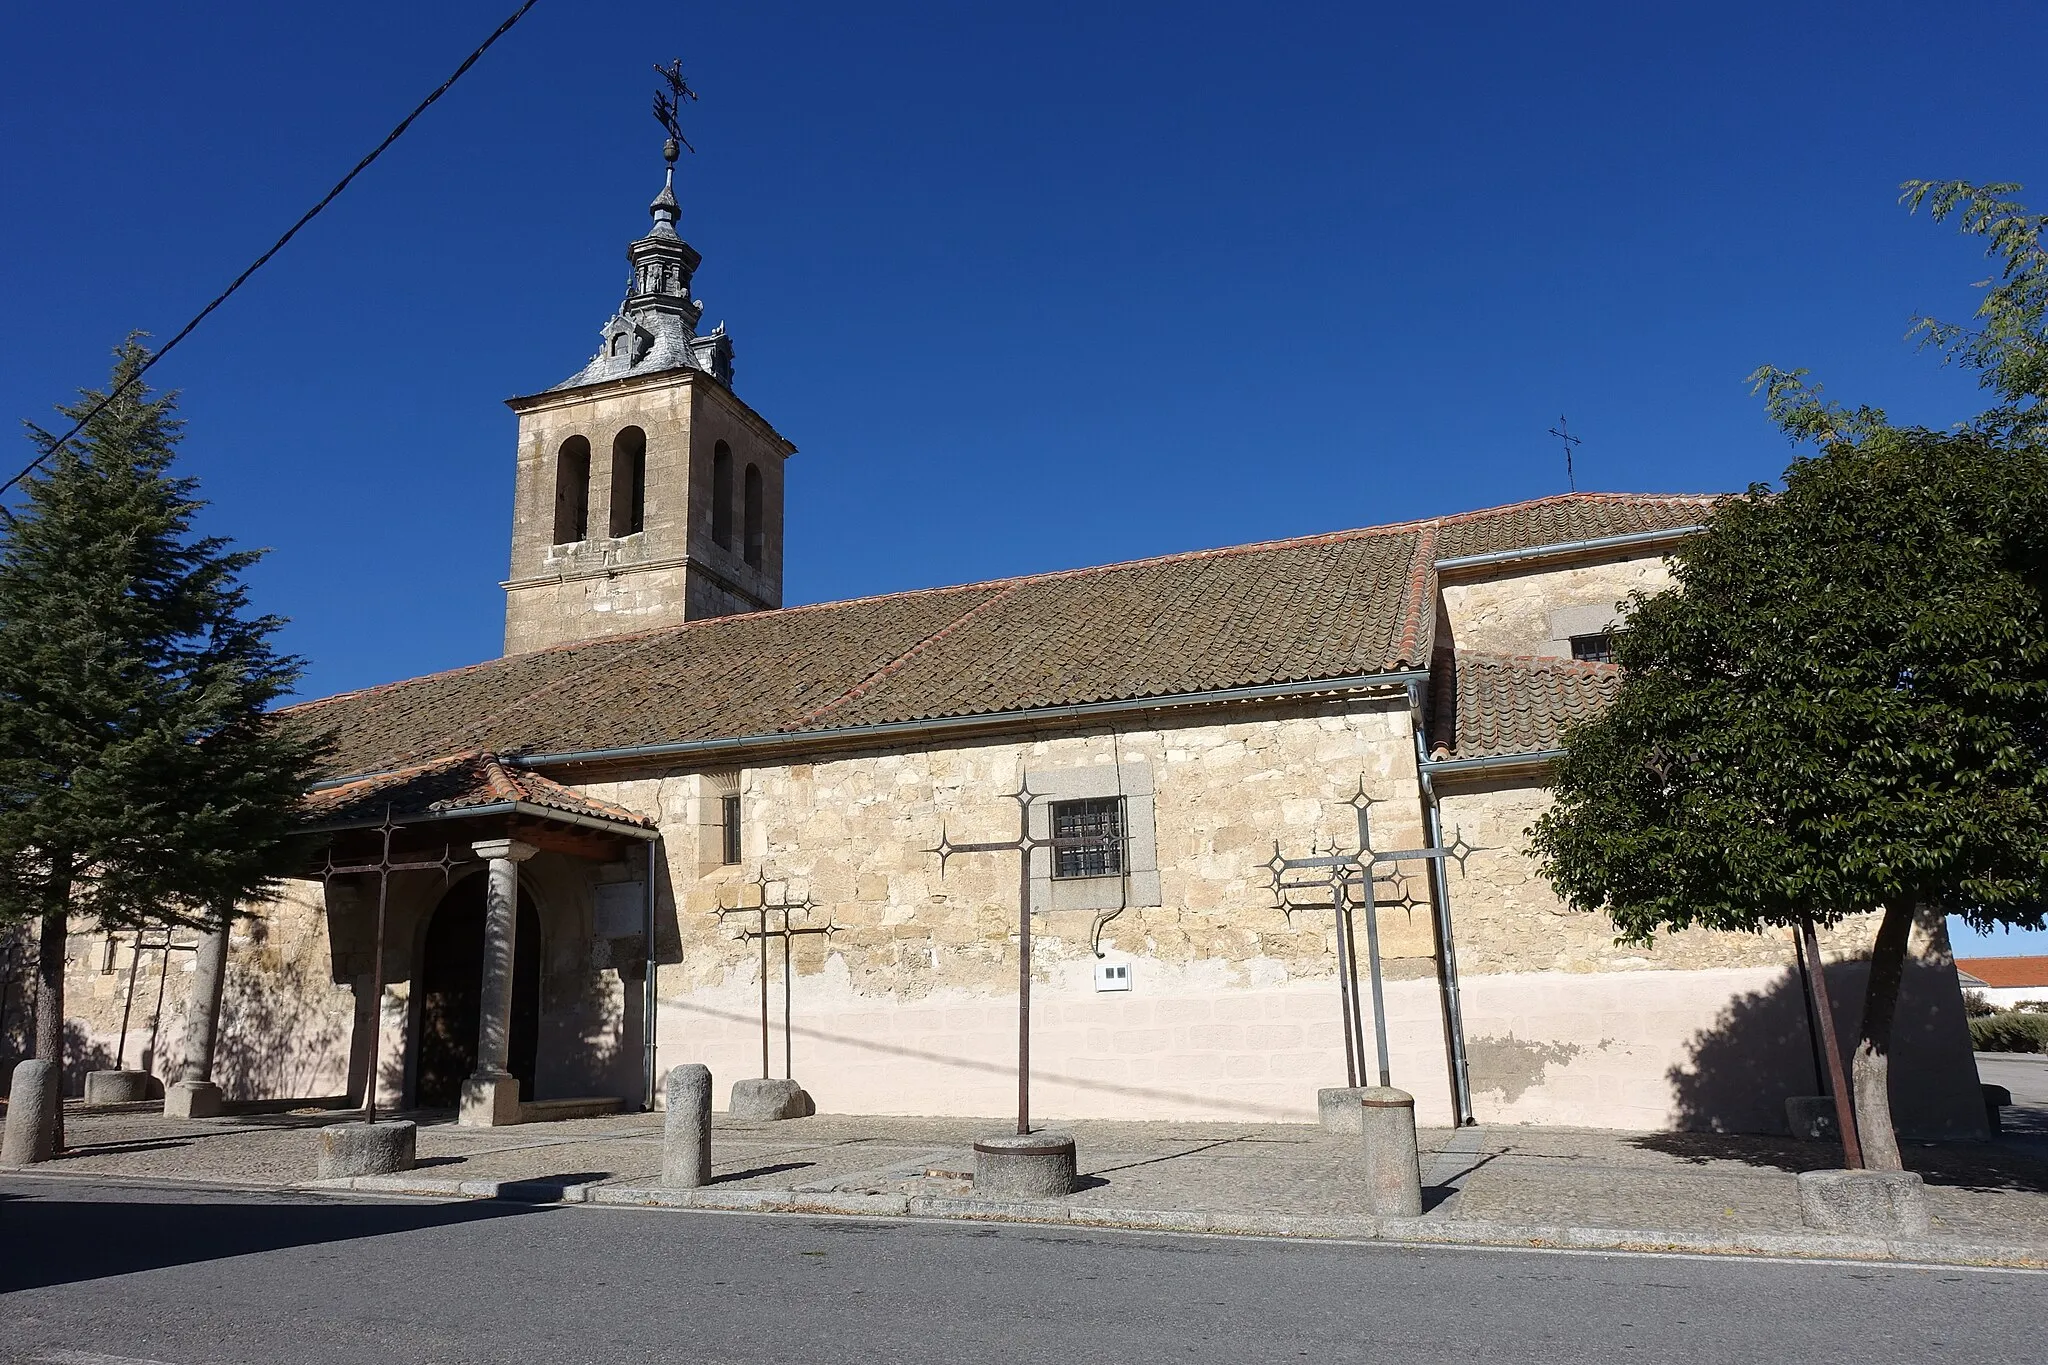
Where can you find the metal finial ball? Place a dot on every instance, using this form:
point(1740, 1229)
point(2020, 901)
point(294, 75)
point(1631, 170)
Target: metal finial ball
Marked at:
point(670, 151)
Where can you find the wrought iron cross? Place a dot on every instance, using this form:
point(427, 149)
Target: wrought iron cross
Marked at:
point(668, 106)
point(786, 933)
point(1024, 845)
point(383, 867)
point(1359, 872)
point(1563, 432)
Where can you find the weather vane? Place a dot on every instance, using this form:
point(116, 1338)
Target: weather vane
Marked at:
point(668, 108)
point(1561, 431)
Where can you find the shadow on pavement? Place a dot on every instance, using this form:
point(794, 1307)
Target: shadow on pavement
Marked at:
point(50, 1241)
point(1999, 1165)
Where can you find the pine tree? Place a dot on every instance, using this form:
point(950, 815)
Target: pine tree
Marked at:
point(143, 780)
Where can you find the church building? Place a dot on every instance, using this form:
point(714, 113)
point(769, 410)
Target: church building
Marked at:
point(678, 821)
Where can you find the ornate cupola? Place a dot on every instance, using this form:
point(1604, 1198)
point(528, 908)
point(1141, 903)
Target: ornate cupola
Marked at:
point(656, 327)
point(648, 493)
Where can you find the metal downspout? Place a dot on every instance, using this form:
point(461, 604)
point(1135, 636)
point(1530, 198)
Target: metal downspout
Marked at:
point(1440, 894)
point(650, 1001)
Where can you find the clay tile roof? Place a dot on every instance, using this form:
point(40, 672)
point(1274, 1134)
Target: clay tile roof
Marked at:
point(2006, 972)
point(1566, 518)
point(1344, 605)
point(1495, 705)
point(451, 785)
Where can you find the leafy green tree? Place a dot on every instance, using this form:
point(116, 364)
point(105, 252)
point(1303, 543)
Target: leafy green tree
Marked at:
point(143, 780)
point(1841, 704)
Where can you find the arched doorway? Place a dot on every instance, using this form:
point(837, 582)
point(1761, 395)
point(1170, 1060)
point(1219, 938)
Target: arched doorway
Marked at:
point(450, 983)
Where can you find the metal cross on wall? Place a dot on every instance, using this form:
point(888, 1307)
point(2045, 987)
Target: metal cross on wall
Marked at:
point(383, 867)
point(1354, 878)
point(786, 933)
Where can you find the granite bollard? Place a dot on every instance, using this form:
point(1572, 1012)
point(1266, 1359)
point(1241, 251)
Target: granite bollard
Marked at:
point(1886, 1203)
point(31, 1115)
point(116, 1087)
point(1393, 1166)
point(1038, 1165)
point(381, 1148)
point(762, 1100)
point(1338, 1109)
point(686, 1131)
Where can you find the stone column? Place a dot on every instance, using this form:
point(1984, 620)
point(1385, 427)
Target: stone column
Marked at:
point(490, 1097)
point(194, 1095)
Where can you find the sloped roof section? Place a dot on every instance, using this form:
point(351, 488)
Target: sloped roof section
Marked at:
point(1567, 518)
point(1350, 604)
point(1500, 705)
point(450, 786)
point(2007, 973)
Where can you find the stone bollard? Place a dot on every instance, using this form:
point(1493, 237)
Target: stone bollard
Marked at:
point(1338, 1109)
point(1038, 1165)
point(1885, 1203)
point(686, 1132)
point(765, 1101)
point(351, 1149)
point(116, 1087)
point(1811, 1117)
point(1393, 1167)
point(31, 1115)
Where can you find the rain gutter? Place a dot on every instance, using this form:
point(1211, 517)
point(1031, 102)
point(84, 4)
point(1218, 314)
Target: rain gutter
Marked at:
point(527, 808)
point(948, 724)
point(1567, 547)
point(1474, 765)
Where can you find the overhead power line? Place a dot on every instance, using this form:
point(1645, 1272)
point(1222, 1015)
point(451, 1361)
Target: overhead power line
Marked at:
point(308, 216)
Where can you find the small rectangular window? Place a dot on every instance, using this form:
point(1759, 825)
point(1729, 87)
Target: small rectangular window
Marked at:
point(729, 808)
point(1593, 649)
point(1088, 837)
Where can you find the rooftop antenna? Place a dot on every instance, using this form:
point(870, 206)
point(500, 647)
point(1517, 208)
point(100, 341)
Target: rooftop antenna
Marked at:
point(668, 112)
point(1563, 433)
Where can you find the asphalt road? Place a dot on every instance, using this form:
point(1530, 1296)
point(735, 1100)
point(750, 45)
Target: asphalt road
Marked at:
point(104, 1274)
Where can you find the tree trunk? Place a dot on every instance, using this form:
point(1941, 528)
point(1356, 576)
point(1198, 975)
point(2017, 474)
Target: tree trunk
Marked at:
point(1872, 1066)
point(50, 1004)
point(50, 978)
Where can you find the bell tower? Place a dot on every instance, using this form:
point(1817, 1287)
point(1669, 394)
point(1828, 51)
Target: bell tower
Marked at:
point(647, 493)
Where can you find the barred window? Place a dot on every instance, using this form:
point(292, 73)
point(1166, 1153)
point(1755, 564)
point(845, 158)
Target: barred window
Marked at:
point(1593, 649)
point(1088, 837)
point(729, 809)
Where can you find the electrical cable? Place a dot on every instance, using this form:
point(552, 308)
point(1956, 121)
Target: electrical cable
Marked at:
point(308, 216)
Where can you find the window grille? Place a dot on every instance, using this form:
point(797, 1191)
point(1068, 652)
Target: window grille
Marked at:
point(1088, 837)
point(730, 811)
point(1593, 649)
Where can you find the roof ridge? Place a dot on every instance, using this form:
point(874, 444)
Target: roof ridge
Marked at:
point(1579, 496)
point(1419, 596)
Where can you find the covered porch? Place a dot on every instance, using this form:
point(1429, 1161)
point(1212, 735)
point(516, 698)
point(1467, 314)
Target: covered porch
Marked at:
point(492, 925)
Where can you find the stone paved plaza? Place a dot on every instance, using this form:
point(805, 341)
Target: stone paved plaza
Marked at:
point(1687, 1183)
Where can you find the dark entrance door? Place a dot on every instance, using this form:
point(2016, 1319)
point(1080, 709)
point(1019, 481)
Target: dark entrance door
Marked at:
point(451, 996)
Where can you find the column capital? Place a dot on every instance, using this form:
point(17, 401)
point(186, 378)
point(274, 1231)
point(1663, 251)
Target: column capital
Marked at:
point(509, 849)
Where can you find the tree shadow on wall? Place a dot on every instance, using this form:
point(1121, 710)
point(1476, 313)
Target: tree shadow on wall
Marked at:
point(273, 1041)
point(1729, 1095)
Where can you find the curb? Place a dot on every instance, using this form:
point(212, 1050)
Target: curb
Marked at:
point(1394, 1231)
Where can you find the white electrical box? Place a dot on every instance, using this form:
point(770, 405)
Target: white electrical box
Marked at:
point(1112, 976)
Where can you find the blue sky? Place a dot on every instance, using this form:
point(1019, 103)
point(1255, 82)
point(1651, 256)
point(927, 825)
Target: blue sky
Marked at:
point(1029, 287)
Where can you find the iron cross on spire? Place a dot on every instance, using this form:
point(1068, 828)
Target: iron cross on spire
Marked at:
point(383, 867)
point(1359, 872)
point(786, 933)
point(668, 106)
point(1563, 432)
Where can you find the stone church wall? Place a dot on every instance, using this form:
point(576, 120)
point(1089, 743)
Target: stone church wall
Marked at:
point(1515, 611)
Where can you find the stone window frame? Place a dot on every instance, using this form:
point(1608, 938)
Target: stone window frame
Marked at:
point(1138, 885)
point(709, 799)
point(1570, 623)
